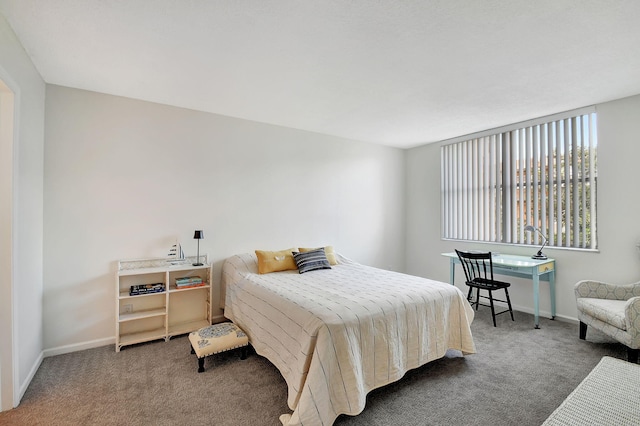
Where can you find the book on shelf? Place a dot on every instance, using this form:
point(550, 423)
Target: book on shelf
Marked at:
point(200, 284)
point(192, 281)
point(136, 290)
point(139, 292)
point(188, 280)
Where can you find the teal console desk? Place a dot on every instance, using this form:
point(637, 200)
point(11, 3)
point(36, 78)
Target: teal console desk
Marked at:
point(522, 267)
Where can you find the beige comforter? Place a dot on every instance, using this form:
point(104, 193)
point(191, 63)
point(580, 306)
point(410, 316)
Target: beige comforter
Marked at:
point(337, 334)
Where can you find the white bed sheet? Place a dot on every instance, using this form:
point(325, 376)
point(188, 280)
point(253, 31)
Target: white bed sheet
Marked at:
point(337, 334)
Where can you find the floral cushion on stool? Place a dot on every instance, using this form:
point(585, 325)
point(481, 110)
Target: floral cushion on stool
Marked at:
point(217, 338)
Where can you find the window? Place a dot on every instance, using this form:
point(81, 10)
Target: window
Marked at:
point(541, 173)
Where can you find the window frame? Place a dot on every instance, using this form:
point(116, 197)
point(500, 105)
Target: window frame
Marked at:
point(476, 169)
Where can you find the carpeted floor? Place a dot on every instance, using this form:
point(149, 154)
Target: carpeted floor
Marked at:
point(518, 377)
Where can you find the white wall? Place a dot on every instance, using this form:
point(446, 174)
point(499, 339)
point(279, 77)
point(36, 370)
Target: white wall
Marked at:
point(124, 178)
point(617, 259)
point(25, 301)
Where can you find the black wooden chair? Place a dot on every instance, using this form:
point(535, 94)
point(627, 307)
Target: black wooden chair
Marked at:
point(478, 271)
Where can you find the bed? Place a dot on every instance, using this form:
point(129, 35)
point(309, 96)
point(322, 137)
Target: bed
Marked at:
point(336, 334)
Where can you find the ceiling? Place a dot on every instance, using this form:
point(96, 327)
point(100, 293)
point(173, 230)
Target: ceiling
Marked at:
point(397, 73)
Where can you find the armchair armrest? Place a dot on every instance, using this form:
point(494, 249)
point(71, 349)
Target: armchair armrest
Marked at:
point(602, 290)
point(632, 320)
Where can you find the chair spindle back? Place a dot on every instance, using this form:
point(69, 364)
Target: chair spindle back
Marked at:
point(476, 265)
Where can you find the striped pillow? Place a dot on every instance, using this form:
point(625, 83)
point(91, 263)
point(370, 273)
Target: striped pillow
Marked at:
point(311, 260)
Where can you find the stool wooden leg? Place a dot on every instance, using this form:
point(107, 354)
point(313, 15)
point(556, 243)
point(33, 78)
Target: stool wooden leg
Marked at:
point(200, 365)
point(193, 351)
point(243, 354)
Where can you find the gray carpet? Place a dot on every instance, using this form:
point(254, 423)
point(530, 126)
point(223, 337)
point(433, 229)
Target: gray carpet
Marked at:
point(518, 377)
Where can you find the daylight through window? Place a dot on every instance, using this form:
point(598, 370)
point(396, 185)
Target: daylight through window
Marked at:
point(542, 174)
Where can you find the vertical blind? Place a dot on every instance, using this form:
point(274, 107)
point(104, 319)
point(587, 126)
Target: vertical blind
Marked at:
point(542, 174)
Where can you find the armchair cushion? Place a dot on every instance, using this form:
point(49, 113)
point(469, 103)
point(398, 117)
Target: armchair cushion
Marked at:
point(606, 310)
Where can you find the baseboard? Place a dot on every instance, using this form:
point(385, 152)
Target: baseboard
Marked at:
point(543, 314)
point(98, 342)
point(565, 318)
point(79, 346)
point(27, 381)
point(218, 318)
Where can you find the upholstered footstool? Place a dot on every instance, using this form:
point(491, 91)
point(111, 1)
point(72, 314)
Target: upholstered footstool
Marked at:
point(217, 338)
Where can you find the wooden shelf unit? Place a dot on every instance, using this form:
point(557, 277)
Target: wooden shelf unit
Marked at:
point(175, 311)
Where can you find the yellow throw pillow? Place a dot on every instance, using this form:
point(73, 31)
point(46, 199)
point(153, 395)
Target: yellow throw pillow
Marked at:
point(274, 261)
point(328, 250)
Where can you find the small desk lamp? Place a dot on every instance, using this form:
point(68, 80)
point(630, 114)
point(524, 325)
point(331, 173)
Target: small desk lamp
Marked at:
point(198, 235)
point(539, 254)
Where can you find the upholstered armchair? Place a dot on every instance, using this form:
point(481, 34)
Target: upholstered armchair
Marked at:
point(612, 309)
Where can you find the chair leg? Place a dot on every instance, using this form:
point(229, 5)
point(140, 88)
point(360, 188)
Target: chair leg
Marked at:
point(470, 294)
point(583, 331)
point(477, 298)
point(493, 311)
point(506, 292)
point(632, 355)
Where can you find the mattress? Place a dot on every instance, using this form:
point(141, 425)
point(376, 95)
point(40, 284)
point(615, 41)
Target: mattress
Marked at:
point(339, 333)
